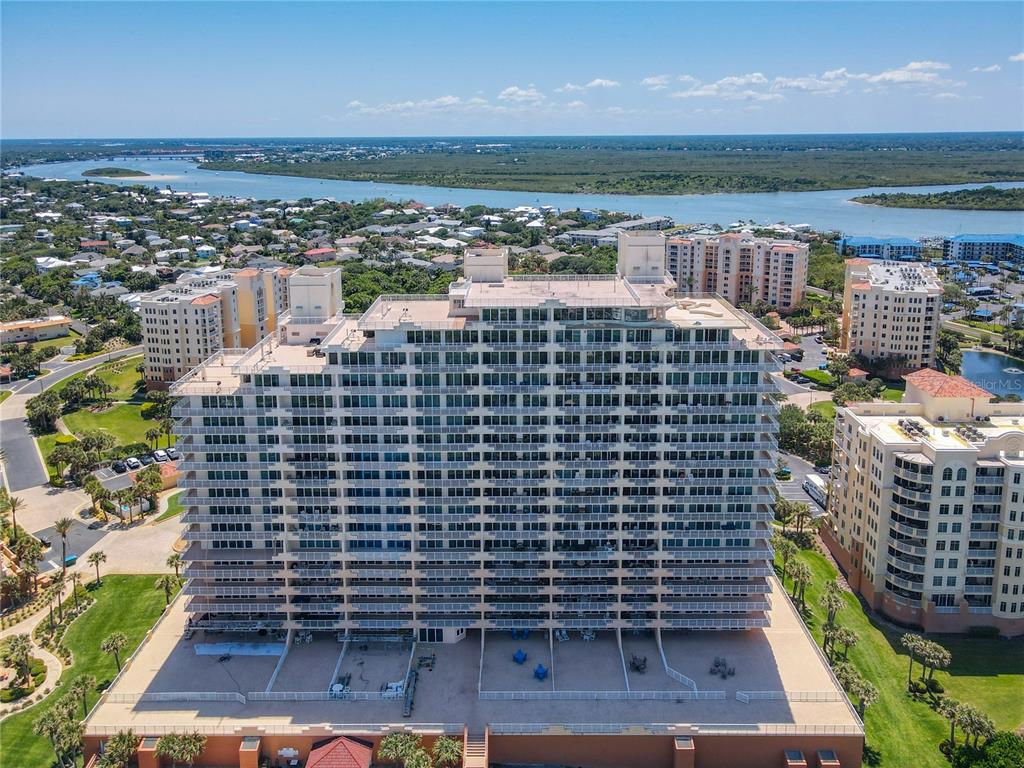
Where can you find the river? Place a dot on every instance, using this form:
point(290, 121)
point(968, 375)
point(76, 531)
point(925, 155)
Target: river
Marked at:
point(824, 211)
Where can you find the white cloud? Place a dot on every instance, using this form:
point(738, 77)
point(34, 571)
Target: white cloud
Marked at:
point(1017, 57)
point(576, 104)
point(808, 84)
point(946, 95)
point(597, 82)
point(927, 65)
point(993, 68)
point(656, 82)
point(521, 95)
point(687, 79)
point(439, 103)
point(738, 81)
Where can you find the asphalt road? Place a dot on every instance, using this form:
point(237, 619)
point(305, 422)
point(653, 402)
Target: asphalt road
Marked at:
point(21, 463)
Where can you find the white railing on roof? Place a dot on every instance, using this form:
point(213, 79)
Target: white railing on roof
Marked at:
point(748, 696)
point(601, 695)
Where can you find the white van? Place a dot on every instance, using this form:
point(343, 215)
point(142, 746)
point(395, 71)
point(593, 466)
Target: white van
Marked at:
point(817, 489)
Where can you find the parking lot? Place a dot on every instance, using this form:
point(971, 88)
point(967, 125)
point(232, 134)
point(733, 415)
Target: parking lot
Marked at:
point(81, 538)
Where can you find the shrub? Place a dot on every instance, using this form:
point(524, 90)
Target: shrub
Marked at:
point(934, 686)
point(983, 631)
point(917, 688)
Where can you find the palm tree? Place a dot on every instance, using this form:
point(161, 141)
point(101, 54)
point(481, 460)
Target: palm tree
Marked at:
point(17, 650)
point(175, 561)
point(976, 723)
point(866, 694)
point(801, 579)
point(446, 752)
point(912, 643)
point(802, 514)
point(832, 601)
point(49, 724)
point(14, 503)
point(167, 427)
point(115, 643)
point(76, 583)
point(57, 585)
point(152, 435)
point(167, 583)
point(181, 747)
point(847, 638)
point(787, 551)
point(63, 527)
point(96, 558)
point(949, 709)
point(120, 749)
point(396, 747)
point(80, 688)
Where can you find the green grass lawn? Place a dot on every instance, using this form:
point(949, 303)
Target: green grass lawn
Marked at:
point(901, 731)
point(174, 507)
point(826, 408)
point(821, 378)
point(4, 394)
point(83, 637)
point(120, 374)
point(52, 346)
point(123, 421)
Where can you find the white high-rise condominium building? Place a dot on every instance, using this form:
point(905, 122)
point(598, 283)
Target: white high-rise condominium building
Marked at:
point(536, 451)
point(891, 313)
point(740, 268)
point(184, 323)
point(926, 513)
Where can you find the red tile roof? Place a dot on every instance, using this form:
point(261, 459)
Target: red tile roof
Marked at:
point(340, 752)
point(207, 299)
point(317, 251)
point(939, 384)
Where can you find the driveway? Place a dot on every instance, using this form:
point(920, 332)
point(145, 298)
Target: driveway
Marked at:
point(792, 490)
point(23, 467)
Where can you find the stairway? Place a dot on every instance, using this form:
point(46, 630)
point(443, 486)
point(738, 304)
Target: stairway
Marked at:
point(474, 751)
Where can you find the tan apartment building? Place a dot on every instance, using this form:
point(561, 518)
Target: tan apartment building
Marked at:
point(741, 268)
point(35, 329)
point(926, 512)
point(891, 313)
point(184, 323)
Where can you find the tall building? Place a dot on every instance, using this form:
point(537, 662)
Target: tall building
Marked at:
point(926, 512)
point(184, 323)
point(964, 247)
point(573, 452)
point(740, 268)
point(891, 313)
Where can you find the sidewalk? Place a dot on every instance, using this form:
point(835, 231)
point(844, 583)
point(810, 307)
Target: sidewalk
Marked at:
point(54, 668)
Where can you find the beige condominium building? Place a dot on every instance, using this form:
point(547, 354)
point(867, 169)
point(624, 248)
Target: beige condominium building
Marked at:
point(891, 313)
point(533, 514)
point(740, 268)
point(926, 512)
point(184, 323)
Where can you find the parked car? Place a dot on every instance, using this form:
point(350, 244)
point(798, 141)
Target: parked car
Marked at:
point(119, 466)
point(802, 380)
point(147, 459)
point(160, 456)
point(823, 470)
point(817, 340)
point(172, 454)
point(133, 463)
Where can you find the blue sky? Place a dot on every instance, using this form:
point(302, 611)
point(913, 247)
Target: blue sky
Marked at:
point(394, 69)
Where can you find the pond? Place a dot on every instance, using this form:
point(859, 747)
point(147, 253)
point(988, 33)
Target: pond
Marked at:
point(999, 374)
